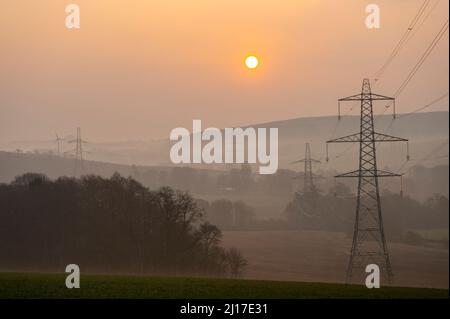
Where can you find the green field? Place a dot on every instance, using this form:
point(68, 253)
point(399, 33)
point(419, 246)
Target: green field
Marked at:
point(37, 285)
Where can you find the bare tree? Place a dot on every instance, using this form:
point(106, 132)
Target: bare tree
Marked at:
point(209, 237)
point(236, 262)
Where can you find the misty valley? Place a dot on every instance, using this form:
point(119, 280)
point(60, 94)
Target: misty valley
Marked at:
point(227, 150)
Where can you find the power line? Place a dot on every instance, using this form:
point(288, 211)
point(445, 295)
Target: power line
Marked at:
point(422, 59)
point(426, 106)
point(418, 65)
point(403, 40)
point(425, 158)
point(424, 20)
point(434, 151)
point(417, 28)
point(418, 109)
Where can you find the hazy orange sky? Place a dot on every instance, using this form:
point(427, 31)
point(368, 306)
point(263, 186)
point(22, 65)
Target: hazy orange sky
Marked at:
point(138, 69)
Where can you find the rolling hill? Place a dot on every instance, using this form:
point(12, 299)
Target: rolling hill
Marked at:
point(428, 134)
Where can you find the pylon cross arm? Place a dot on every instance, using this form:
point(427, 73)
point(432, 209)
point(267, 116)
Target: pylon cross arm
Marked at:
point(379, 97)
point(363, 97)
point(305, 160)
point(368, 173)
point(347, 139)
point(377, 137)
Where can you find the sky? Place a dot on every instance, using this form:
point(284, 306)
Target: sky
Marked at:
point(135, 70)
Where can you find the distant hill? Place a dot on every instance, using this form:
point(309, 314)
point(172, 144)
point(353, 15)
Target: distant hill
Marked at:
point(428, 134)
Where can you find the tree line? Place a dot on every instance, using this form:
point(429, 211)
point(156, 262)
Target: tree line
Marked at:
point(335, 211)
point(108, 225)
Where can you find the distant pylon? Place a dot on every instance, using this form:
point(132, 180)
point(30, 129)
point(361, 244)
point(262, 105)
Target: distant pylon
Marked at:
point(369, 242)
point(308, 182)
point(78, 152)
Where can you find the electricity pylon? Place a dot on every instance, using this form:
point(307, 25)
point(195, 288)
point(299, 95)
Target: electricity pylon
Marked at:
point(308, 183)
point(369, 242)
point(78, 152)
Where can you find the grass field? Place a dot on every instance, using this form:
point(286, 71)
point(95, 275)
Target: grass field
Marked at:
point(37, 285)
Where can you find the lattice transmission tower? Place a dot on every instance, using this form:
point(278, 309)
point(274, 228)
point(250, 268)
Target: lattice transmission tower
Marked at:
point(369, 241)
point(78, 152)
point(308, 182)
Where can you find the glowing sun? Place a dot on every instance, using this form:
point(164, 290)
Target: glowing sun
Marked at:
point(251, 62)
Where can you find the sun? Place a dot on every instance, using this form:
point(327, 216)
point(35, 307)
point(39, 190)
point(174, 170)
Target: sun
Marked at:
point(251, 62)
